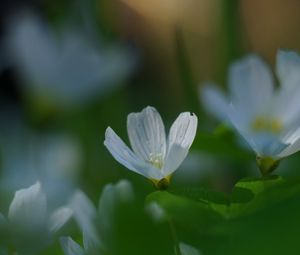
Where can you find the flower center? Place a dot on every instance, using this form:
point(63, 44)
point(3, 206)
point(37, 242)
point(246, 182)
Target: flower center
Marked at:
point(156, 160)
point(261, 124)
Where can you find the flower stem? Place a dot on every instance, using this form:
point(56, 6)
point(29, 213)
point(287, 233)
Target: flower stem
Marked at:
point(175, 238)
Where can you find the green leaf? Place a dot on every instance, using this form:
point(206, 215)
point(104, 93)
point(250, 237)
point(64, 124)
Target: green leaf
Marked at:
point(273, 229)
point(250, 194)
point(186, 211)
point(216, 201)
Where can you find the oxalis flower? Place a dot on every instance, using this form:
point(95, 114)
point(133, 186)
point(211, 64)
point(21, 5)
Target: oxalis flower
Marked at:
point(267, 118)
point(29, 224)
point(153, 156)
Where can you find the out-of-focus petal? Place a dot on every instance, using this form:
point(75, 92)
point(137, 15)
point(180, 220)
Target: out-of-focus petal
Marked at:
point(214, 101)
point(85, 215)
point(186, 249)
point(29, 207)
point(59, 217)
point(288, 68)
point(251, 84)
point(70, 247)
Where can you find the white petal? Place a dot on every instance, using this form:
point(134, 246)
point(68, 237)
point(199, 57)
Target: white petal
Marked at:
point(29, 207)
point(176, 155)
point(251, 84)
point(183, 130)
point(214, 101)
point(127, 158)
point(112, 195)
point(186, 249)
point(291, 149)
point(156, 212)
point(124, 190)
point(106, 210)
point(59, 217)
point(146, 133)
point(288, 68)
point(85, 215)
point(181, 137)
point(263, 143)
point(70, 247)
point(286, 105)
point(293, 138)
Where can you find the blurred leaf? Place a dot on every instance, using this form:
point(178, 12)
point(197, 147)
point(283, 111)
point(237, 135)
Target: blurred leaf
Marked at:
point(273, 229)
point(249, 194)
point(185, 211)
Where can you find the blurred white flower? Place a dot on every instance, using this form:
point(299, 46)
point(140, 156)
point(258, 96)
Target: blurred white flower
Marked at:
point(86, 215)
point(67, 68)
point(54, 160)
point(268, 119)
point(29, 221)
point(153, 156)
point(186, 249)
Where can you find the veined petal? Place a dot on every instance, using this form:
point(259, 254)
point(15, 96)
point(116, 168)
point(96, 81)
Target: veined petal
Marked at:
point(29, 207)
point(288, 68)
point(181, 137)
point(183, 130)
point(146, 133)
point(214, 101)
point(127, 158)
point(59, 217)
point(70, 247)
point(251, 84)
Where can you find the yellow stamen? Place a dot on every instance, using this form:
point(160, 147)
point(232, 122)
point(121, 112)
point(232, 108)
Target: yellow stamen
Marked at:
point(261, 124)
point(156, 160)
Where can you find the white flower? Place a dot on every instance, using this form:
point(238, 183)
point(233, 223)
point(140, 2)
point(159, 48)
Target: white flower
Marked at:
point(86, 215)
point(29, 219)
point(267, 118)
point(153, 156)
point(67, 68)
point(29, 209)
